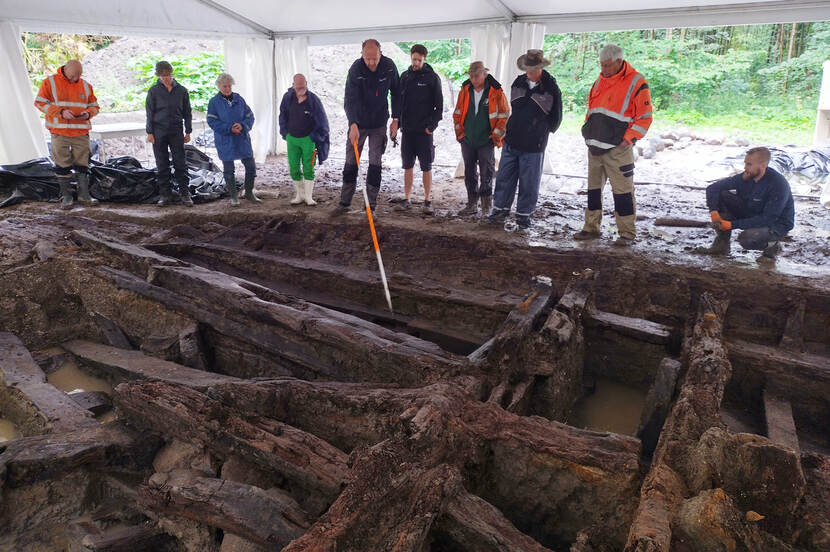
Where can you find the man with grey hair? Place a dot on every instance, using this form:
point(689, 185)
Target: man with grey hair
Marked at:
point(231, 120)
point(168, 109)
point(619, 114)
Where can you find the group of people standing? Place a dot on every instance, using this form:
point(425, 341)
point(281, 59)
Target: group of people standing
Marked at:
point(619, 114)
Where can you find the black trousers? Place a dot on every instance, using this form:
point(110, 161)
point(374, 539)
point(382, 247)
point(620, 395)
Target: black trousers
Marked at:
point(228, 169)
point(164, 146)
point(732, 207)
point(485, 159)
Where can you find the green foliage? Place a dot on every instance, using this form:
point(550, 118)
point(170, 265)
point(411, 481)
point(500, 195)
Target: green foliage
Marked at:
point(451, 58)
point(196, 73)
point(44, 53)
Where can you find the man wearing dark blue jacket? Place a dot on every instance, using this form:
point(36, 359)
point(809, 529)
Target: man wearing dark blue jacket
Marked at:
point(168, 106)
point(758, 201)
point(536, 112)
point(371, 80)
point(422, 106)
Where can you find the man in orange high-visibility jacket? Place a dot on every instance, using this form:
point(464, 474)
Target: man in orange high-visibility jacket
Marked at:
point(480, 131)
point(68, 103)
point(619, 114)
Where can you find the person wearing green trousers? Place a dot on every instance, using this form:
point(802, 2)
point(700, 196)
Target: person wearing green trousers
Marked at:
point(305, 127)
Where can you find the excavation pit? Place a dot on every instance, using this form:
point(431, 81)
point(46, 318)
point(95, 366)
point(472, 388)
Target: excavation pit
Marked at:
point(262, 392)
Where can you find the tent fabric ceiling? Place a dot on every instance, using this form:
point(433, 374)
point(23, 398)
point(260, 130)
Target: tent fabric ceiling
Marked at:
point(341, 20)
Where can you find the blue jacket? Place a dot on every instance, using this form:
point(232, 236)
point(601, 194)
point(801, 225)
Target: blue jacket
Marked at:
point(221, 116)
point(320, 134)
point(769, 200)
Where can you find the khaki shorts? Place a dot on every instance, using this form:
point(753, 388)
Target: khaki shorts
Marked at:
point(70, 150)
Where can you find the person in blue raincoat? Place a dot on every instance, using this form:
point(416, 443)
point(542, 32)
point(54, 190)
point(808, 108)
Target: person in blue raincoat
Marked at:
point(231, 120)
point(305, 128)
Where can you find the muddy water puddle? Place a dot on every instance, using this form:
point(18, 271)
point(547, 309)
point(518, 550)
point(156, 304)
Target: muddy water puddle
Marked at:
point(70, 378)
point(8, 431)
point(612, 407)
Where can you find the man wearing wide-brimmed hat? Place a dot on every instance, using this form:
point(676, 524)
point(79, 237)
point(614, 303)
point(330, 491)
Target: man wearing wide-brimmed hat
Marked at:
point(480, 119)
point(536, 105)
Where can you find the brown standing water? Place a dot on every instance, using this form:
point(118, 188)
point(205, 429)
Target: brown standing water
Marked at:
point(612, 407)
point(69, 377)
point(8, 431)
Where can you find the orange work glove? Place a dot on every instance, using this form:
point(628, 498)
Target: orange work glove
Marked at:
point(725, 224)
point(715, 216)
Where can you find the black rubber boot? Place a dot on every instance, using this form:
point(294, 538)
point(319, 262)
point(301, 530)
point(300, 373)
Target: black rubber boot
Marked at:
point(721, 246)
point(83, 190)
point(184, 194)
point(66, 194)
point(249, 189)
point(472, 206)
point(233, 191)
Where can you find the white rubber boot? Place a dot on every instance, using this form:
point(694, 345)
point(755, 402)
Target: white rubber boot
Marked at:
point(308, 188)
point(298, 192)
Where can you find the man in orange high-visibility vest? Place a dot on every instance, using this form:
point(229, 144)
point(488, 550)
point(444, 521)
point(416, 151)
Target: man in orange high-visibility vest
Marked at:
point(68, 103)
point(619, 114)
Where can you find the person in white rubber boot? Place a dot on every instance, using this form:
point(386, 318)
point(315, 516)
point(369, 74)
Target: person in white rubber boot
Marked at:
point(305, 127)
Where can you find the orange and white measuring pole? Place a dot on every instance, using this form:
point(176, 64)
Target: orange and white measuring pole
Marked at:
point(374, 235)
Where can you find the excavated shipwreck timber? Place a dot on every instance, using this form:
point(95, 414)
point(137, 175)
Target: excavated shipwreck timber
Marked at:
point(257, 395)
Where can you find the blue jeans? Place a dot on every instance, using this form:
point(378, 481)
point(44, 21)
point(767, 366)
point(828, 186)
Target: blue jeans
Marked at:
point(522, 168)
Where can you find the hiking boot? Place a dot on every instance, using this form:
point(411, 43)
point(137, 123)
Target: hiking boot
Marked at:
point(486, 205)
point(523, 223)
point(184, 194)
point(404, 205)
point(721, 246)
point(497, 217)
point(624, 242)
point(66, 194)
point(427, 208)
point(339, 210)
point(470, 209)
point(770, 253)
point(582, 235)
point(83, 191)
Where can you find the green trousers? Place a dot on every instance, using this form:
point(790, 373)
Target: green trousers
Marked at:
point(301, 149)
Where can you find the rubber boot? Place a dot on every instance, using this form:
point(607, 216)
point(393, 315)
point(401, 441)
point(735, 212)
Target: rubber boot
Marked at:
point(83, 191)
point(184, 194)
point(298, 192)
point(249, 189)
point(486, 205)
point(66, 194)
point(770, 252)
point(165, 195)
point(721, 246)
point(233, 191)
point(307, 191)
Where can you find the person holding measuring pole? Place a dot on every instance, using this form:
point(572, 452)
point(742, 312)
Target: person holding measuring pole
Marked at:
point(370, 82)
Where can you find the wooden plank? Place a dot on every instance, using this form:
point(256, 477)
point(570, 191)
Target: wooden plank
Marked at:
point(33, 404)
point(778, 414)
point(130, 365)
point(96, 402)
point(638, 328)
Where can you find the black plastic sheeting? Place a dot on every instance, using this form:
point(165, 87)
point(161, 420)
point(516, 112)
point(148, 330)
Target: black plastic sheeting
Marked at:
point(813, 165)
point(119, 180)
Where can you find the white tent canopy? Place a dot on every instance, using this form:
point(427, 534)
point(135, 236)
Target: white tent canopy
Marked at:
point(500, 29)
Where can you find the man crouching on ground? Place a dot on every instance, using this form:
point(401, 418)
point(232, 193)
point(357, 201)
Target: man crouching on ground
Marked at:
point(758, 201)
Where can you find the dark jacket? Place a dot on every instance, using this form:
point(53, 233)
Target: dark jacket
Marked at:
point(221, 116)
point(320, 134)
point(422, 102)
point(166, 110)
point(534, 113)
point(365, 99)
point(769, 200)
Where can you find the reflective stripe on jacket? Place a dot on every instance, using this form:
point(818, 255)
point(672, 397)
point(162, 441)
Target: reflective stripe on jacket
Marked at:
point(619, 107)
point(497, 106)
point(56, 94)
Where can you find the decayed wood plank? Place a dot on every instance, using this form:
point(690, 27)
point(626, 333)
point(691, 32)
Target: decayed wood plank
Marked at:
point(33, 404)
point(638, 328)
point(129, 365)
point(264, 517)
point(778, 414)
